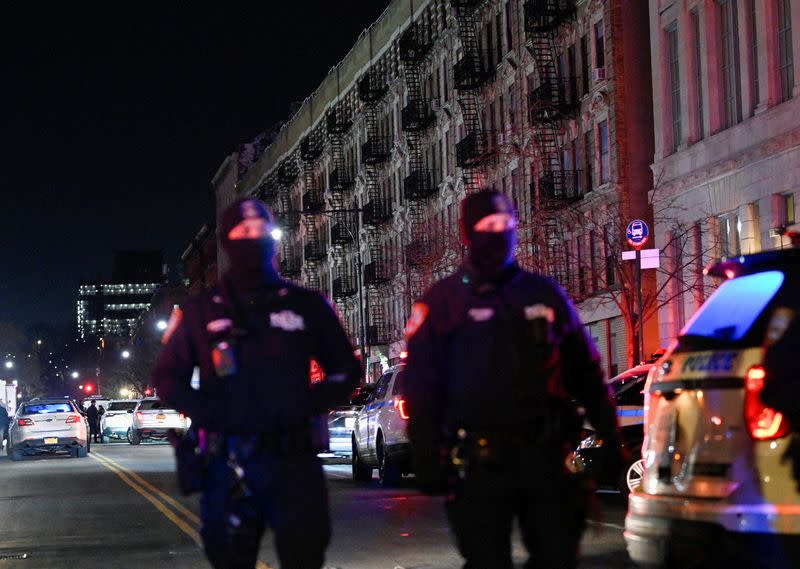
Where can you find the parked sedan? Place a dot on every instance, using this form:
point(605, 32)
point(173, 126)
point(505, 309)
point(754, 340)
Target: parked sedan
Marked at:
point(117, 419)
point(152, 420)
point(341, 421)
point(47, 426)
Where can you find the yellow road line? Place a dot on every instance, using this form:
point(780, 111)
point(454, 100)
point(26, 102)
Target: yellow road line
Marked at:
point(190, 515)
point(142, 486)
point(169, 514)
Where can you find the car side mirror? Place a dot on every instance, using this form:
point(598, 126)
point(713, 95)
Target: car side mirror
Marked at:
point(130, 411)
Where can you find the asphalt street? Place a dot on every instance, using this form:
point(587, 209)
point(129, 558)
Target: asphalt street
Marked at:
point(120, 507)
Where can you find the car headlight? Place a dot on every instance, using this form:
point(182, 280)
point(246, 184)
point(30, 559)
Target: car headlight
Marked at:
point(349, 422)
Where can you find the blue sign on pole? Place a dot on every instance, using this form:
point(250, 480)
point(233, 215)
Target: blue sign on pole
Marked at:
point(637, 233)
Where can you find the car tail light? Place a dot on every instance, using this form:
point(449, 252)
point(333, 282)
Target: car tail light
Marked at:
point(139, 415)
point(400, 405)
point(182, 416)
point(73, 419)
point(25, 422)
point(763, 422)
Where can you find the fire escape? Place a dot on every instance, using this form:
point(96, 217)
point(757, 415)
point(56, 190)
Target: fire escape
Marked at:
point(287, 216)
point(313, 203)
point(376, 210)
point(344, 223)
point(554, 100)
point(470, 73)
point(421, 183)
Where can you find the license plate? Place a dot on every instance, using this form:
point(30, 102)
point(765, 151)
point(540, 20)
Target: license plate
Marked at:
point(51, 440)
point(161, 417)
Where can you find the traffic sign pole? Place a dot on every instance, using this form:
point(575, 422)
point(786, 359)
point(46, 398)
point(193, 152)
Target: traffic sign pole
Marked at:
point(638, 234)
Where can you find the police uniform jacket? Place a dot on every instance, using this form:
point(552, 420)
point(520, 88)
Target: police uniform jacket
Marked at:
point(280, 330)
point(496, 357)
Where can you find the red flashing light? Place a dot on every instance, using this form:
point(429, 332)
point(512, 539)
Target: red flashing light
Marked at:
point(139, 416)
point(403, 355)
point(400, 405)
point(730, 273)
point(148, 391)
point(73, 419)
point(88, 388)
point(25, 422)
point(764, 423)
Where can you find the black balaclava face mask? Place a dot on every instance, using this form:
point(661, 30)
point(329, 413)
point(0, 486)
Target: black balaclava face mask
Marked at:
point(488, 223)
point(251, 260)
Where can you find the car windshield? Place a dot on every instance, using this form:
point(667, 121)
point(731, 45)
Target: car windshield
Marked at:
point(45, 408)
point(152, 404)
point(122, 405)
point(731, 311)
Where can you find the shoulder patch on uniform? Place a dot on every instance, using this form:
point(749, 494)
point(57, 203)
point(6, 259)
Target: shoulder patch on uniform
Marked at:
point(174, 321)
point(287, 320)
point(540, 311)
point(419, 312)
point(219, 325)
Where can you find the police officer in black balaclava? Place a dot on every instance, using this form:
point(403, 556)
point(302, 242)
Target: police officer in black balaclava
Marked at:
point(253, 338)
point(498, 360)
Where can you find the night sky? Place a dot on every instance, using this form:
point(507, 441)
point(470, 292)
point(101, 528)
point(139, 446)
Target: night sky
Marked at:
point(116, 116)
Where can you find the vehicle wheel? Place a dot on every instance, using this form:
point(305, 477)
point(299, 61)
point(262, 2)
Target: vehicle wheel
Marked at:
point(362, 474)
point(388, 474)
point(632, 476)
point(133, 437)
point(16, 455)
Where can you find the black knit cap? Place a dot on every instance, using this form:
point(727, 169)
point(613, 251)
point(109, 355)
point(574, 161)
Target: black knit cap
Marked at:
point(240, 210)
point(476, 206)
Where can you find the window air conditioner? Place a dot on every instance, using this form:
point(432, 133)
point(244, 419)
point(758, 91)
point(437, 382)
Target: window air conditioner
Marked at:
point(599, 74)
point(436, 105)
point(777, 231)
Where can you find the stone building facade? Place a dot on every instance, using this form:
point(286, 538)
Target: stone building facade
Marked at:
point(437, 99)
point(727, 124)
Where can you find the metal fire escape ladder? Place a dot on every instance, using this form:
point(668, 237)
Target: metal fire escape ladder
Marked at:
point(550, 103)
point(470, 74)
point(376, 150)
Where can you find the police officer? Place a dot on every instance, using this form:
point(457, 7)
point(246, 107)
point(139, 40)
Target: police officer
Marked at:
point(496, 357)
point(94, 421)
point(253, 339)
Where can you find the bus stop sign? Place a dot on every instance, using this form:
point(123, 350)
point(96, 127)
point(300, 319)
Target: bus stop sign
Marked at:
point(637, 233)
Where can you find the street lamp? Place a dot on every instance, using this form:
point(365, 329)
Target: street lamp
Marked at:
point(75, 375)
point(126, 354)
point(162, 325)
point(9, 364)
point(124, 392)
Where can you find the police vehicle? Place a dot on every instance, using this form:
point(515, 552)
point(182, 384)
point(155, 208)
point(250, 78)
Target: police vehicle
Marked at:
point(117, 420)
point(46, 427)
point(716, 490)
point(341, 421)
point(627, 390)
point(379, 434)
point(152, 420)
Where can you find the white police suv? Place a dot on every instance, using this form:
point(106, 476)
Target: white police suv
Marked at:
point(379, 434)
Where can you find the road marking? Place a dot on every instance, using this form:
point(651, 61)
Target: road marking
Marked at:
point(169, 514)
point(165, 497)
point(135, 481)
point(607, 524)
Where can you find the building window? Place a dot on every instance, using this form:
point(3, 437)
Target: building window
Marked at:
point(587, 65)
point(499, 28)
point(605, 155)
point(729, 40)
point(589, 170)
point(785, 61)
point(489, 46)
point(755, 95)
point(698, 74)
point(671, 37)
point(509, 26)
point(610, 242)
point(729, 233)
point(599, 45)
point(512, 108)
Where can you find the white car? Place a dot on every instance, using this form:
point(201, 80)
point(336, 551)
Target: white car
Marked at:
point(152, 420)
point(47, 426)
point(118, 418)
point(379, 434)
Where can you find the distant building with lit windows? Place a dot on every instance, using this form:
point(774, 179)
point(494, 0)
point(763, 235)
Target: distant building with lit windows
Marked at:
point(111, 309)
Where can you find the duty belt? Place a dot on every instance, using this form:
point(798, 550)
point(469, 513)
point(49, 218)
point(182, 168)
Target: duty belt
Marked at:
point(290, 441)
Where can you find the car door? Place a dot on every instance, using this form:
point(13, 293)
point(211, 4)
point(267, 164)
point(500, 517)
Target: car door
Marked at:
point(373, 410)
